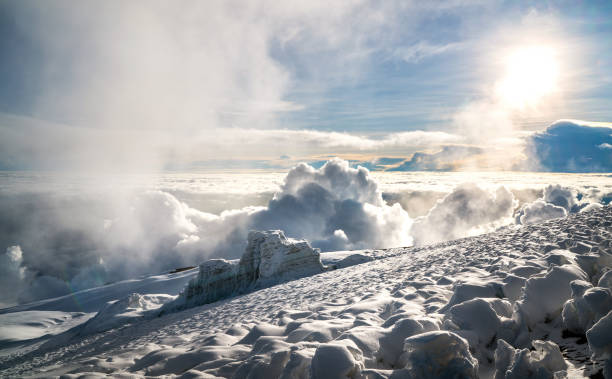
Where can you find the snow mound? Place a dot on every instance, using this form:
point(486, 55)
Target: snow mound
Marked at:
point(438, 354)
point(587, 305)
point(545, 361)
point(544, 296)
point(600, 341)
point(129, 309)
point(334, 361)
point(269, 258)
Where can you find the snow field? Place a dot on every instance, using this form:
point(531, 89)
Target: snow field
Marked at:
point(493, 306)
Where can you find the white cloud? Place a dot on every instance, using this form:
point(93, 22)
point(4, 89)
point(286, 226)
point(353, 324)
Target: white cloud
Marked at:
point(96, 149)
point(605, 146)
point(467, 210)
point(12, 274)
point(539, 211)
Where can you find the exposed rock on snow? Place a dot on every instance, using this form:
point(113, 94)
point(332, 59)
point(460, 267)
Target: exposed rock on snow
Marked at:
point(269, 258)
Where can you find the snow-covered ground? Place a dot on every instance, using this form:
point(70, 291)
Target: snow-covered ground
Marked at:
point(526, 301)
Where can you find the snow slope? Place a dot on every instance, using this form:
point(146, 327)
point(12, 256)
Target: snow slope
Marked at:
point(526, 301)
point(26, 326)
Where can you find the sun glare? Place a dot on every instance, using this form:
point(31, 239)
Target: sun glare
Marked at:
point(531, 74)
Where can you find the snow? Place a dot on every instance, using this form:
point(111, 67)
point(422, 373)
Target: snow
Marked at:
point(587, 305)
point(510, 304)
point(438, 354)
point(545, 361)
point(544, 295)
point(128, 309)
point(28, 325)
point(334, 361)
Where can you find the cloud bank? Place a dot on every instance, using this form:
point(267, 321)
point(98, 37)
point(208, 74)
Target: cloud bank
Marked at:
point(59, 241)
point(572, 146)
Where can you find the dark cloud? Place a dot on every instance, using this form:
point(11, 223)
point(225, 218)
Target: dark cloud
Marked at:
point(572, 146)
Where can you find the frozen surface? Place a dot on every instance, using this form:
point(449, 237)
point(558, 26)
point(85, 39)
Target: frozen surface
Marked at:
point(491, 306)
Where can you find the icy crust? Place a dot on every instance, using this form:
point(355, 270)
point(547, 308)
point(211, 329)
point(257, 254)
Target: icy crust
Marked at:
point(527, 302)
point(269, 258)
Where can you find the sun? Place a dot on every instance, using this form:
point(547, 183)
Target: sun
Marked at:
point(531, 74)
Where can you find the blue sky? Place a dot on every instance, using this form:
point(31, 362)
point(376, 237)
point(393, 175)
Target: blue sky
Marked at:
point(148, 85)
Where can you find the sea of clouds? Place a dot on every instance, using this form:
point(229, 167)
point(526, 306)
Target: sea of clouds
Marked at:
point(59, 235)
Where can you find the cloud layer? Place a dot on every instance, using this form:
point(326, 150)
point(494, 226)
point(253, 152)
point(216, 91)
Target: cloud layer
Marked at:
point(59, 240)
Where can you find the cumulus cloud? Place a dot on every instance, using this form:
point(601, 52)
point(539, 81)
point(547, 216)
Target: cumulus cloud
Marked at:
point(560, 196)
point(11, 274)
point(572, 146)
point(539, 211)
point(465, 211)
point(335, 207)
point(557, 201)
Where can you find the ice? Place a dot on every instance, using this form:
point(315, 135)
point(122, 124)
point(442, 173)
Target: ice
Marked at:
point(269, 258)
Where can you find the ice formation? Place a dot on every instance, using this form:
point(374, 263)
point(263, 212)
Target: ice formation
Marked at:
point(269, 258)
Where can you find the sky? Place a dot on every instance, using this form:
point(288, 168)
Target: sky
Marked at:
point(448, 85)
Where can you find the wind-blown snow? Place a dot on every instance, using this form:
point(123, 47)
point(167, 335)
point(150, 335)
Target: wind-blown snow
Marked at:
point(489, 306)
